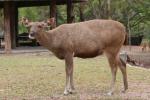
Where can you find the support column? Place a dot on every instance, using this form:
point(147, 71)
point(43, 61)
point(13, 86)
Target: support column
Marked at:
point(9, 26)
point(53, 12)
point(16, 27)
point(13, 24)
point(70, 17)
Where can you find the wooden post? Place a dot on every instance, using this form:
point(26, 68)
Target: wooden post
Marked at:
point(9, 26)
point(13, 24)
point(16, 26)
point(70, 17)
point(53, 12)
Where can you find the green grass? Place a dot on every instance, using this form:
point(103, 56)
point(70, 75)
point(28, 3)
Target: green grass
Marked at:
point(42, 76)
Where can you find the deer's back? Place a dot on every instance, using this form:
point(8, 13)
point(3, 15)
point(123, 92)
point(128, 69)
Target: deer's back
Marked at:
point(90, 38)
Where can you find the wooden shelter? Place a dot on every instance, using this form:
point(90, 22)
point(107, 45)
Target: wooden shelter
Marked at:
point(11, 16)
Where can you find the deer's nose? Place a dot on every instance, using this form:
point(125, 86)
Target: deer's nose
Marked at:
point(31, 35)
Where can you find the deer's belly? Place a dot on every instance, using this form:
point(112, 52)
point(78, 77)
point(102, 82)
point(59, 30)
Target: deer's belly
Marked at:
point(87, 54)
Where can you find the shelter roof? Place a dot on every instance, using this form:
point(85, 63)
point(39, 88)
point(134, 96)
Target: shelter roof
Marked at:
point(29, 3)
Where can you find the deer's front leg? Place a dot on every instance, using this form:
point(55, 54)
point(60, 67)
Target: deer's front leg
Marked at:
point(69, 74)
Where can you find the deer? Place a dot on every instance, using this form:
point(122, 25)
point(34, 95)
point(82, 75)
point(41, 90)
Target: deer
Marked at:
point(86, 39)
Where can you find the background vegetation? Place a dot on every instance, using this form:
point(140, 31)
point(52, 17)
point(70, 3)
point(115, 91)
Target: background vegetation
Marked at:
point(134, 14)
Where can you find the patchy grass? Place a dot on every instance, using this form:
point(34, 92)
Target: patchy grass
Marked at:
point(42, 76)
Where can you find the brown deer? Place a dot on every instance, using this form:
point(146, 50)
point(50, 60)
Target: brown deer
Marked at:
point(85, 40)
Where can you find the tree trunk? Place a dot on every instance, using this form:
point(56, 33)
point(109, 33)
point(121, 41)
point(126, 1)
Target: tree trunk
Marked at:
point(109, 9)
point(81, 8)
point(10, 25)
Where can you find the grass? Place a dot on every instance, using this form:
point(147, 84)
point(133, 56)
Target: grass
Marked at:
point(42, 76)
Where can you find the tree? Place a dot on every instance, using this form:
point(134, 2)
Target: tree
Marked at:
point(134, 14)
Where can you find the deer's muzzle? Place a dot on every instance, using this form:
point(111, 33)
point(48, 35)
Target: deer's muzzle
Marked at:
point(32, 35)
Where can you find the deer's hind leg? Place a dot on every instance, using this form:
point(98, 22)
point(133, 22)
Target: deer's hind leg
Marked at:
point(122, 66)
point(113, 65)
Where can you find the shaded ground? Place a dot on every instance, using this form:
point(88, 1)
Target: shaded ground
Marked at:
point(22, 50)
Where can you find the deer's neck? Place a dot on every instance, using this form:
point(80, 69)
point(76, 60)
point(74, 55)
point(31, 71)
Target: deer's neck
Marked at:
point(45, 39)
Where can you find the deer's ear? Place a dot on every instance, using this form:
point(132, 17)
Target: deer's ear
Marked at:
point(51, 21)
point(44, 24)
point(24, 21)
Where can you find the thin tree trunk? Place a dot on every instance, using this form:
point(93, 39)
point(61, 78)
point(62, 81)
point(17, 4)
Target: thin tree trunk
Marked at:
point(129, 32)
point(109, 9)
point(81, 8)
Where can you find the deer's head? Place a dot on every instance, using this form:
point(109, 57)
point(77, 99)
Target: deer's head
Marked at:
point(36, 27)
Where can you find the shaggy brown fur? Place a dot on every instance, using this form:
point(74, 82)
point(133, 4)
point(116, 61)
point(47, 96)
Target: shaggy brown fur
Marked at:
point(85, 40)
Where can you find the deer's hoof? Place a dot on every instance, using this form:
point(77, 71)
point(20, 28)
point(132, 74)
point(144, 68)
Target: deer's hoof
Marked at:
point(123, 91)
point(73, 91)
point(110, 93)
point(66, 93)
point(69, 91)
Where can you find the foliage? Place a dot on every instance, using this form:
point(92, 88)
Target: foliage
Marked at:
point(33, 14)
point(62, 14)
point(134, 14)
